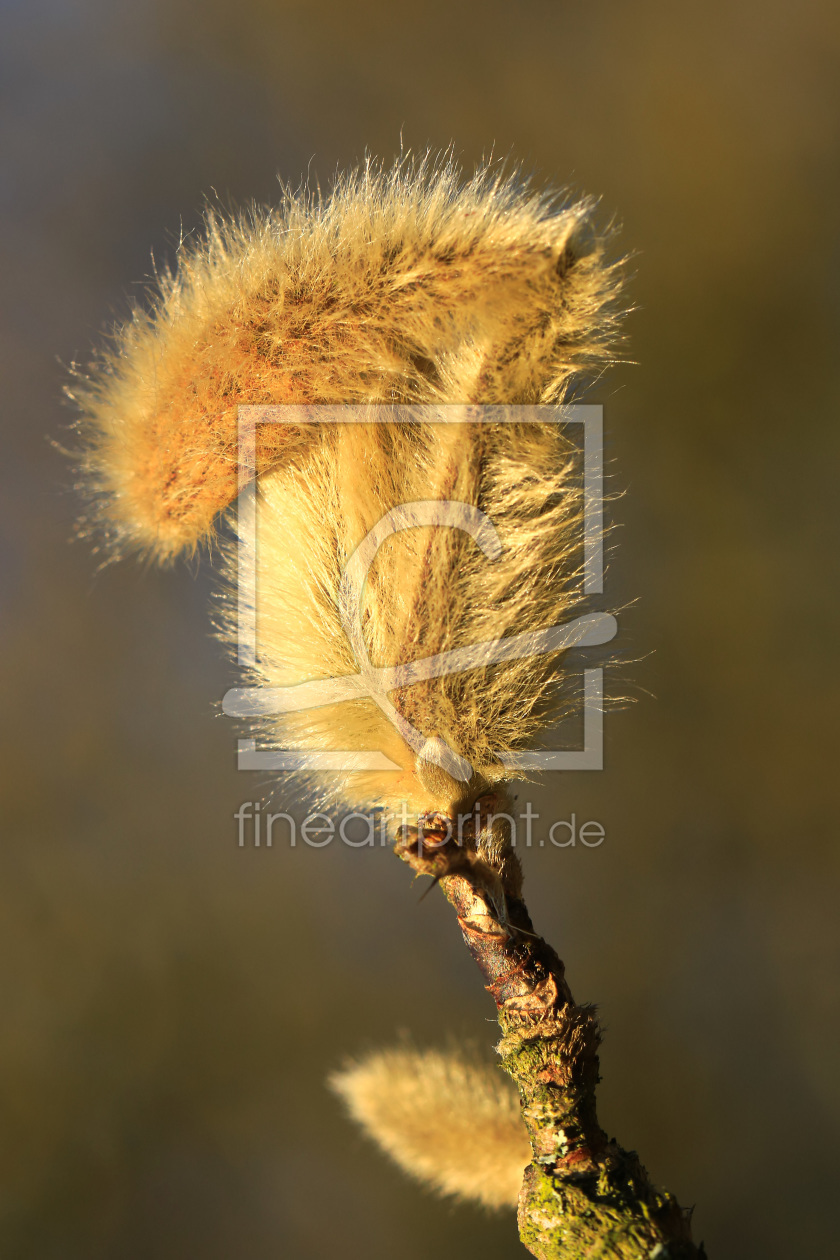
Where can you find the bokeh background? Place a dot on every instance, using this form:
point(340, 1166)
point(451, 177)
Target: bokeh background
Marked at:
point(172, 1003)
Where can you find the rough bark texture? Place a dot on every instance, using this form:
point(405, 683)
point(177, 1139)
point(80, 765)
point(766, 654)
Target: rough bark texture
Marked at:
point(583, 1195)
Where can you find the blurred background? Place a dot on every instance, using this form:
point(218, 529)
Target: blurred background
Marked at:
point(172, 1003)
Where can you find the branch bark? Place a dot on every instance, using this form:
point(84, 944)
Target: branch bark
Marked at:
point(582, 1195)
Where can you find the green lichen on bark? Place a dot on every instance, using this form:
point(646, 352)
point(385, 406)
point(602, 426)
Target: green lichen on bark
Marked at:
point(582, 1195)
point(610, 1211)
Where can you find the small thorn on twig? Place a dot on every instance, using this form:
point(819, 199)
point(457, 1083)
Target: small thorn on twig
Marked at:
point(435, 881)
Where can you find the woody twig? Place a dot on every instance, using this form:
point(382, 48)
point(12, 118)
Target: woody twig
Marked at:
point(582, 1195)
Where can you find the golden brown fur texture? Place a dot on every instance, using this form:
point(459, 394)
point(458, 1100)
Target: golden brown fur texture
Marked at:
point(430, 590)
point(405, 285)
point(444, 1118)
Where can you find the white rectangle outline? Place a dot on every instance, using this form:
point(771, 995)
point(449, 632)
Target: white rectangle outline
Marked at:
point(590, 415)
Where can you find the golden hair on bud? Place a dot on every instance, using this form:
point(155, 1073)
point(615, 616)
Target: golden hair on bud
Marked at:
point(430, 590)
point(448, 1121)
point(404, 285)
